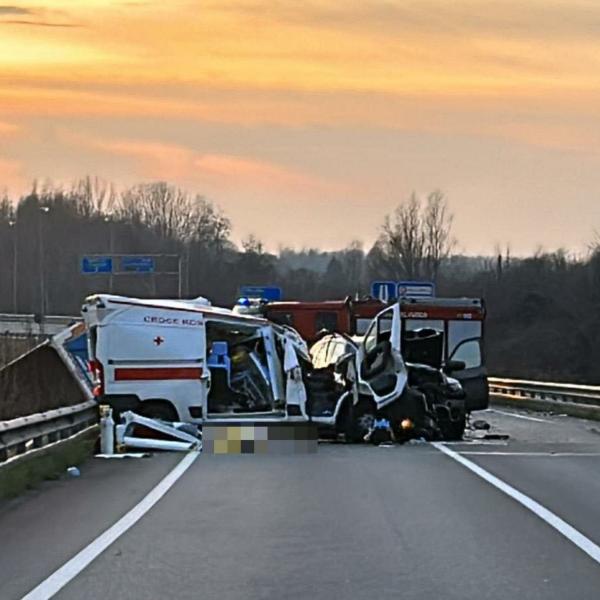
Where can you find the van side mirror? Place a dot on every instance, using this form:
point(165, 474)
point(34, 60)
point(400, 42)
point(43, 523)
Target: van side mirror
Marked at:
point(454, 365)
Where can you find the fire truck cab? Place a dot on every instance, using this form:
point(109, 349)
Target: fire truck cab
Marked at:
point(460, 325)
point(310, 319)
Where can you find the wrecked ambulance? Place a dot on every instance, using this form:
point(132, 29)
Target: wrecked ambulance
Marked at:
point(189, 361)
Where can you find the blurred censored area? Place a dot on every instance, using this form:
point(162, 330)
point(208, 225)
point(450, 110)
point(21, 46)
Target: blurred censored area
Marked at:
point(263, 438)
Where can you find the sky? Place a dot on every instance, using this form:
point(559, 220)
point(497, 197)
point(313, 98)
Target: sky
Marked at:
point(308, 122)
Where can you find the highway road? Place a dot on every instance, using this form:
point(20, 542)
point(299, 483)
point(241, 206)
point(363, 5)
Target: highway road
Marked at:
point(410, 522)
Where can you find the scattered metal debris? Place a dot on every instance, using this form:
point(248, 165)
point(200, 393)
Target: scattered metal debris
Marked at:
point(136, 431)
point(124, 455)
point(496, 436)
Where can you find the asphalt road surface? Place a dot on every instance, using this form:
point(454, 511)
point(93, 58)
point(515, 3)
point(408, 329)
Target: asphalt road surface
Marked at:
point(366, 522)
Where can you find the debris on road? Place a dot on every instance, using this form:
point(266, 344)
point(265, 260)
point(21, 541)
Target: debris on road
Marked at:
point(73, 472)
point(496, 436)
point(136, 431)
point(107, 431)
point(417, 442)
point(381, 433)
point(125, 455)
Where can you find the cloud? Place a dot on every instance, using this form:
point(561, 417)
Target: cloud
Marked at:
point(537, 18)
point(38, 23)
point(218, 171)
point(7, 129)
point(37, 18)
point(14, 10)
point(521, 116)
point(11, 175)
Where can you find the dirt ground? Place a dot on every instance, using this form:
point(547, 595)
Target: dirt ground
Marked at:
point(11, 347)
point(37, 382)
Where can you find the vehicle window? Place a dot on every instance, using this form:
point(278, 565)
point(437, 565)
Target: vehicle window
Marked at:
point(326, 320)
point(380, 330)
point(370, 340)
point(384, 326)
point(413, 324)
point(470, 353)
point(462, 330)
point(282, 318)
point(361, 325)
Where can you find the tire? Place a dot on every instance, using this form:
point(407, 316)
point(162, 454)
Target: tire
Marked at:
point(413, 405)
point(161, 410)
point(359, 421)
point(452, 431)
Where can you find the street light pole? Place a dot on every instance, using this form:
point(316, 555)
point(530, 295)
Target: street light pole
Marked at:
point(43, 210)
point(109, 222)
point(13, 224)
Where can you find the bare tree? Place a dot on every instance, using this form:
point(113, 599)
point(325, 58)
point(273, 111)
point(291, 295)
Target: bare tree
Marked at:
point(165, 209)
point(251, 244)
point(7, 210)
point(209, 226)
point(93, 196)
point(415, 240)
point(437, 226)
point(352, 258)
point(402, 241)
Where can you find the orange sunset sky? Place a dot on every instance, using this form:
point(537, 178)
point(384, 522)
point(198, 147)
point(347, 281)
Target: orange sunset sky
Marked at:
point(308, 121)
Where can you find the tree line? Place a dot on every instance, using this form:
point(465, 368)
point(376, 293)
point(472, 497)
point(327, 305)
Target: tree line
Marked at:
point(543, 315)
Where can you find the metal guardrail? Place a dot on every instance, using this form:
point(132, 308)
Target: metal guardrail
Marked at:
point(564, 393)
point(26, 325)
point(21, 435)
point(24, 434)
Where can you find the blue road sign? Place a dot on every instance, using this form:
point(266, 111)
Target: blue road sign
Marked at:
point(266, 292)
point(137, 264)
point(91, 265)
point(416, 289)
point(384, 290)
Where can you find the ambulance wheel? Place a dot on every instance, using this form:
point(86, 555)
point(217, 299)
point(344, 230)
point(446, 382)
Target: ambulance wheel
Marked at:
point(158, 409)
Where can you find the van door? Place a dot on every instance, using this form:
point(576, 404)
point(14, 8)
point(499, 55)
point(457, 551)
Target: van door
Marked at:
point(380, 365)
point(273, 365)
point(473, 377)
point(295, 390)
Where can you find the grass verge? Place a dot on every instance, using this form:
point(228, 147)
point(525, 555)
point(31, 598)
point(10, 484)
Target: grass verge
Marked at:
point(26, 471)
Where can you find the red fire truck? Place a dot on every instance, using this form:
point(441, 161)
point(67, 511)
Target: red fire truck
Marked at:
point(310, 318)
point(461, 320)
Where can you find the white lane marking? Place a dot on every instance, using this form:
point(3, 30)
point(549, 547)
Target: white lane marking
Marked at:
point(550, 454)
point(467, 441)
point(517, 416)
point(81, 560)
point(568, 531)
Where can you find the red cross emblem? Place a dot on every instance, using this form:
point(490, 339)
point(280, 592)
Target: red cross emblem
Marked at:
point(158, 340)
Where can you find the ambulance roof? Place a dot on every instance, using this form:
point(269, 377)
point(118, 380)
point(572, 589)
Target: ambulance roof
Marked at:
point(197, 305)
